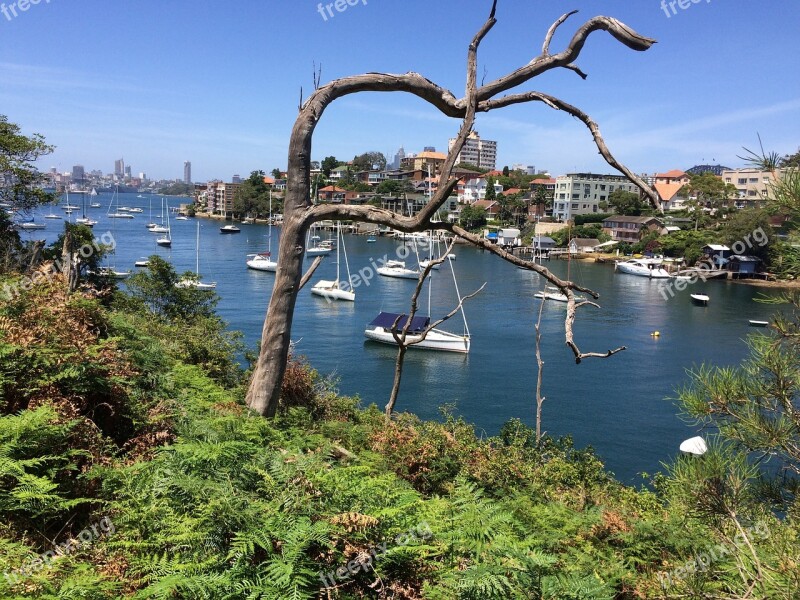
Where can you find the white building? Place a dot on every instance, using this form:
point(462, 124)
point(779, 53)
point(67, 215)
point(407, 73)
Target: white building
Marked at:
point(478, 152)
point(582, 193)
point(473, 190)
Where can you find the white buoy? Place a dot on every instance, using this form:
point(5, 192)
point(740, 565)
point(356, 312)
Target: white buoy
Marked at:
point(695, 445)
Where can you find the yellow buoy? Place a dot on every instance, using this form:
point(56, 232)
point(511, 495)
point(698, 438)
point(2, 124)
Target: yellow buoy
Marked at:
point(656, 334)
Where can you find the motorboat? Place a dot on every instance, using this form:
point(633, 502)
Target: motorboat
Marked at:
point(754, 323)
point(229, 229)
point(700, 299)
point(371, 239)
point(142, 263)
point(86, 221)
point(380, 330)
point(643, 267)
point(397, 269)
point(112, 273)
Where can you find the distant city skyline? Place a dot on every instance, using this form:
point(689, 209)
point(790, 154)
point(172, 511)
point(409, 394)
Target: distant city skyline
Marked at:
point(702, 91)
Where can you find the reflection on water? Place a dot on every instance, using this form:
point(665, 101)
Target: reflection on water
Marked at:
point(616, 405)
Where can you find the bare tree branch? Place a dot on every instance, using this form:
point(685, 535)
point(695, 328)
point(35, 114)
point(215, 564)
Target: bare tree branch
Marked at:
point(552, 31)
point(539, 372)
point(310, 273)
point(593, 127)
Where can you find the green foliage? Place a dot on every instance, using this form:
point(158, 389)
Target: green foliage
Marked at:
point(178, 189)
point(687, 244)
point(491, 194)
point(328, 163)
point(472, 217)
point(389, 187)
point(752, 229)
point(626, 203)
point(369, 161)
point(591, 218)
point(253, 196)
point(21, 181)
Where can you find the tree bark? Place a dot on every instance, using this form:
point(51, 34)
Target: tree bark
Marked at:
point(299, 212)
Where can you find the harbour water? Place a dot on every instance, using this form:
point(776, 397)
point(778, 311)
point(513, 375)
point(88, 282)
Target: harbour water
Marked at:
point(618, 405)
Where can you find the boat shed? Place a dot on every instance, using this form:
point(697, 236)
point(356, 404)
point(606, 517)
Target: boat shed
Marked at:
point(743, 264)
point(718, 253)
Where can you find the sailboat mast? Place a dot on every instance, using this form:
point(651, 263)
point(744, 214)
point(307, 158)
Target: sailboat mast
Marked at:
point(338, 235)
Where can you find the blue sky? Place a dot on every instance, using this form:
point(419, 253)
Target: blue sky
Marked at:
point(218, 83)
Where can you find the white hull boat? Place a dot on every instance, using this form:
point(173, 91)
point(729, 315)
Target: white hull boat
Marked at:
point(397, 269)
point(330, 290)
point(262, 262)
point(336, 290)
point(643, 267)
point(444, 341)
point(700, 299)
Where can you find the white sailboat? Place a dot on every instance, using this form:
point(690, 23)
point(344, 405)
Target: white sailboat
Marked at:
point(263, 261)
point(397, 269)
point(196, 283)
point(335, 290)
point(84, 220)
point(166, 240)
point(319, 247)
point(117, 214)
point(93, 204)
point(159, 228)
point(380, 329)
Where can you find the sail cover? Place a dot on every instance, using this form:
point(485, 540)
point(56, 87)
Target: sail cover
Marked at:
point(386, 319)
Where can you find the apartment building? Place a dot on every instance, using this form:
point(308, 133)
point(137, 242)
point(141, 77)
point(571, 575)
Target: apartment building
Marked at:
point(582, 193)
point(476, 151)
point(752, 185)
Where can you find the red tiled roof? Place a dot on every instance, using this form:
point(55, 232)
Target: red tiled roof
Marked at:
point(674, 174)
point(332, 188)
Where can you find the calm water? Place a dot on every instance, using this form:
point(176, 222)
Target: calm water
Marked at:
point(618, 405)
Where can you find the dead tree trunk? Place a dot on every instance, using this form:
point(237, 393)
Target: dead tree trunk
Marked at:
point(300, 213)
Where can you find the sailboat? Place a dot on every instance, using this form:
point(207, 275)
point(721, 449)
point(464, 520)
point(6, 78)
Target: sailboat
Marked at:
point(196, 283)
point(84, 220)
point(332, 290)
point(117, 214)
point(263, 261)
point(319, 248)
point(166, 240)
point(68, 208)
point(32, 224)
point(159, 228)
point(380, 330)
point(93, 204)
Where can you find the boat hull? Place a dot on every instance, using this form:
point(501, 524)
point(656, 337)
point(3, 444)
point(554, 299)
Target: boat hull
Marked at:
point(262, 264)
point(641, 271)
point(398, 273)
point(330, 291)
point(436, 339)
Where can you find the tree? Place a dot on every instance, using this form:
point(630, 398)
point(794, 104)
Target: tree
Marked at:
point(369, 161)
point(20, 181)
point(505, 171)
point(791, 161)
point(751, 230)
point(252, 197)
point(472, 217)
point(390, 187)
point(276, 173)
point(490, 192)
point(626, 203)
point(21, 186)
point(755, 405)
point(264, 391)
point(329, 163)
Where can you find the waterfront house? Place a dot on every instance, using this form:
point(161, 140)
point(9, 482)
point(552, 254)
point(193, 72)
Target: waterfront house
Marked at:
point(490, 206)
point(336, 195)
point(629, 229)
point(543, 242)
point(581, 245)
point(668, 185)
point(509, 237)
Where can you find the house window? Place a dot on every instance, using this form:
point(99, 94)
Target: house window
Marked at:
point(727, 180)
point(574, 207)
point(754, 180)
point(575, 196)
point(741, 181)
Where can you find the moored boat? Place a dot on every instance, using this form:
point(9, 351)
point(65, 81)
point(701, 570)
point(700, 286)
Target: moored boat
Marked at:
point(643, 267)
point(380, 330)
